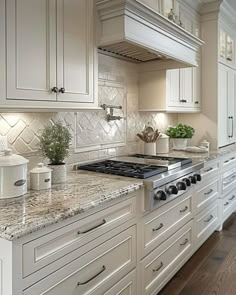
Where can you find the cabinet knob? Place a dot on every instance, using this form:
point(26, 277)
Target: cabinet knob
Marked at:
point(183, 100)
point(62, 90)
point(55, 89)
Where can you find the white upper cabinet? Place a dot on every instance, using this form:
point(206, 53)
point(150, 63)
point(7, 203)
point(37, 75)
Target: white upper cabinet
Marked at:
point(226, 105)
point(51, 55)
point(226, 46)
point(173, 90)
point(75, 56)
point(31, 49)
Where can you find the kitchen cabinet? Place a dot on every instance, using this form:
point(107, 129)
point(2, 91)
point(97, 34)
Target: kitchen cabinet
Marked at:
point(226, 47)
point(51, 55)
point(172, 90)
point(226, 105)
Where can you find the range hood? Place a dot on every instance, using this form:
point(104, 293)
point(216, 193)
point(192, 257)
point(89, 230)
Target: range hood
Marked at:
point(130, 29)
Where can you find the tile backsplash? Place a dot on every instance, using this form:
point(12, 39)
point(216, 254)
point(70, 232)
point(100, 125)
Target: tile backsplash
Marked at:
point(93, 136)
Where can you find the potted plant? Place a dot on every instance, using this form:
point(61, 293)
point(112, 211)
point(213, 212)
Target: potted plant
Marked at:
point(54, 144)
point(180, 135)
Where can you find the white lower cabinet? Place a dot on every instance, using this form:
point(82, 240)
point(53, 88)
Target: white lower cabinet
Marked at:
point(126, 286)
point(95, 272)
point(159, 266)
point(206, 223)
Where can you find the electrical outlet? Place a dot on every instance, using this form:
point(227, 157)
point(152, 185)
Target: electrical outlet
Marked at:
point(3, 143)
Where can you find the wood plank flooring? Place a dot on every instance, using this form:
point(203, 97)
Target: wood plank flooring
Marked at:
point(212, 269)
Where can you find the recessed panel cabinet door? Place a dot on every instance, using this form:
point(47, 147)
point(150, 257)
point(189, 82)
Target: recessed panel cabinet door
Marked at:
point(75, 50)
point(223, 120)
point(31, 49)
point(186, 86)
point(173, 87)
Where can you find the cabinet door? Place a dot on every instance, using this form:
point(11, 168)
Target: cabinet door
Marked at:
point(222, 106)
point(31, 49)
point(75, 50)
point(197, 87)
point(186, 86)
point(231, 104)
point(226, 96)
point(172, 87)
point(2, 52)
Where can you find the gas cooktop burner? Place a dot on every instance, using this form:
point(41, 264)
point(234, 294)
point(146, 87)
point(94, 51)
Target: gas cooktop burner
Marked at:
point(165, 160)
point(128, 169)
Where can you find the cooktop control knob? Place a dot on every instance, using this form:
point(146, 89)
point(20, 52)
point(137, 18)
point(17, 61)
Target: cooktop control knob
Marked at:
point(172, 190)
point(187, 181)
point(160, 195)
point(181, 186)
point(192, 179)
point(197, 177)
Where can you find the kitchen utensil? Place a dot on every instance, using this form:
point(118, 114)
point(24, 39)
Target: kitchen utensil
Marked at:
point(13, 175)
point(40, 177)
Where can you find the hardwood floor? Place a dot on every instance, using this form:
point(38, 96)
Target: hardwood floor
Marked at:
point(212, 269)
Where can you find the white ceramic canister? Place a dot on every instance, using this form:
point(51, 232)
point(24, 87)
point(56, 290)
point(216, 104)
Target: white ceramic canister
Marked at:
point(40, 177)
point(162, 144)
point(150, 148)
point(13, 175)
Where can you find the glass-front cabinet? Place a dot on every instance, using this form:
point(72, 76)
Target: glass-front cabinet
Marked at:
point(226, 47)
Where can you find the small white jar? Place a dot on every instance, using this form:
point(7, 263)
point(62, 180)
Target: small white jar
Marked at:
point(40, 177)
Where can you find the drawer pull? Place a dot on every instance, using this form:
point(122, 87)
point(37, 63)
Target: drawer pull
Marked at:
point(184, 243)
point(231, 199)
point(159, 267)
point(158, 228)
point(209, 192)
point(183, 210)
point(208, 170)
point(232, 159)
point(226, 161)
point(92, 228)
point(92, 278)
point(226, 204)
point(209, 219)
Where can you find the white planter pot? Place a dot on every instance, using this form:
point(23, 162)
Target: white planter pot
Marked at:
point(179, 143)
point(150, 148)
point(59, 173)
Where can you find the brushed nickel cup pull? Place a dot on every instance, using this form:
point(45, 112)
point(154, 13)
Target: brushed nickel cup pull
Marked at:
point(208, 170)
point(93, 277)
point(158, 228)
point(184, 243)
point(226, 204)
point(183, 210)
point(158, 268)
point(209, 219)
point(92, 228)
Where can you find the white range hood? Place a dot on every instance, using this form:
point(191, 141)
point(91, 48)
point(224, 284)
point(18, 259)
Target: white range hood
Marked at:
point(130, 29)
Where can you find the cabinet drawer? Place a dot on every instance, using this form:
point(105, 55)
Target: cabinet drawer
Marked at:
point(210, 169)
point(207, 194)
point(95, 272)
point(158, 266)
point(159, 225)
point(126, 286)
point(51, 247)
point(228, 160)
point(206, 222)
point(228, 205)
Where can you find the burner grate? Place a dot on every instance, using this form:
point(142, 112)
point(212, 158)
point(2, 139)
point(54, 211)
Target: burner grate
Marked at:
point(128, 169)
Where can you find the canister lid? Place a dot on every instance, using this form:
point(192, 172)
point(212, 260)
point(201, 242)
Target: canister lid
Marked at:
point(9, 159)
point(163, 135)
point(40, 168)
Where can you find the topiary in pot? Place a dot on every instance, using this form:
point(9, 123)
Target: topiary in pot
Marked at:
point(55, 144)
point(180, 135)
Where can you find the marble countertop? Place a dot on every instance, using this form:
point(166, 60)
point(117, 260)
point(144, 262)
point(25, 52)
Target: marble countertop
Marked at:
point(82, 191)
point(212, 155)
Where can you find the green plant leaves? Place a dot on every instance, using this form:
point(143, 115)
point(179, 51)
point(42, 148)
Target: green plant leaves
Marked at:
point(55, 143)
point(180, 131)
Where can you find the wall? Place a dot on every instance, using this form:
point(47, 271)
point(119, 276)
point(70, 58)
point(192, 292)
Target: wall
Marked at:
point(93, 137)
